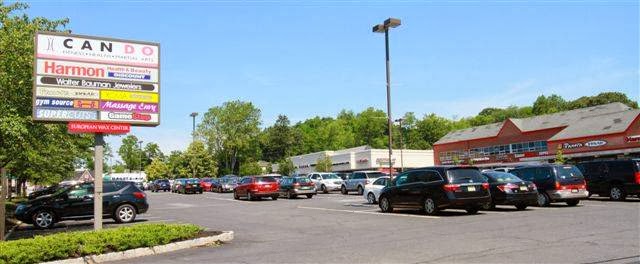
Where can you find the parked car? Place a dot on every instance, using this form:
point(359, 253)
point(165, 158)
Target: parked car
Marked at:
point(508, 189)
point(256, 187)
point(216, 184)
point(372, 190)
point(139, 184)
point(191, 185)
point(207, 184)
point(176, 184)
point(228, 183)
point(437, 188)
point(291, 187)
point(326, 181)
point(358, 180)
point(160, 185)
point(613, 178)
point(45, 191)
point(122, 201)
point(343, 175)
point(555, 183)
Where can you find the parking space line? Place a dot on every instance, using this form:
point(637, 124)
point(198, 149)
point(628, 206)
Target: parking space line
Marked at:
point(367, 212)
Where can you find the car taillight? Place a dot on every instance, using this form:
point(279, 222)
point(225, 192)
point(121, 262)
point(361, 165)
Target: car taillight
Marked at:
point(296, 184)
point(507, 187)
point(533, 186)
point(451, 187)
point(139, 195)
point(638, 177)
point(485, 185)
point(558, 186)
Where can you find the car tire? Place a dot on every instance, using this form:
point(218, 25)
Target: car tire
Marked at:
point(288, 195)
point(44, 219)
point(360, 190)
point(472, 210)
point(343, 190)
point(489, 206)
point(521, 207)
point(235, 195)
point(573, 202)
point(617, 193)
point(543, 200)
point(275, 197)
point(385, 205)
point(125, 213)
point(309, 196)
point(429, 206)
point(323, 189)
point(371, 198)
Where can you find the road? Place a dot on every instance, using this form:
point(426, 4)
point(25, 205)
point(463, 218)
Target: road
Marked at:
point(334, 228)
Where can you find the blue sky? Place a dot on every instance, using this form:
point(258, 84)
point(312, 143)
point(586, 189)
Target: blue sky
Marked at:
point(308, 58)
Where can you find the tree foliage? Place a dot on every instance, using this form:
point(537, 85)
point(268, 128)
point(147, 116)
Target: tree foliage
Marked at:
point(324, 164)
point(200, 163)
point(250, 168)
point(286, 167)
point(158, 169)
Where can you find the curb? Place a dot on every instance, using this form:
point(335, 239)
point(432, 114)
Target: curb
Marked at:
point(226, 236)
point(15, 223)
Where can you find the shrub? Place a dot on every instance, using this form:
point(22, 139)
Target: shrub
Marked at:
point(76, 244)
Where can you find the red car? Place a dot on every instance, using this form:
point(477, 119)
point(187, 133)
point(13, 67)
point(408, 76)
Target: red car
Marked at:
point(256, 187)
point(205, 183)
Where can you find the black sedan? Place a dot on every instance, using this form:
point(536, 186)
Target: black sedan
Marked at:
point(508, 189)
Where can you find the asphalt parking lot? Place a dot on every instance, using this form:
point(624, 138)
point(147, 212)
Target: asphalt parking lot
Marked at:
point(334, 228)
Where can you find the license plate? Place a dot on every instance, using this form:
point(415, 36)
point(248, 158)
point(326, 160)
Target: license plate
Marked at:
point(575, 190)
point(471, 189)
point(305, 188)
point(267, 186)
point(524, 188)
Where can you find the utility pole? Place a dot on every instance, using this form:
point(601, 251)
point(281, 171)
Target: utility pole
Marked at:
point(193, 130)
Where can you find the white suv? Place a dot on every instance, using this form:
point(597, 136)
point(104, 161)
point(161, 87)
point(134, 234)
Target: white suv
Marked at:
point(326, 181)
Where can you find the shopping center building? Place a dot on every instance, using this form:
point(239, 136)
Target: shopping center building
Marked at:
point(610, 131)
point(365, 158)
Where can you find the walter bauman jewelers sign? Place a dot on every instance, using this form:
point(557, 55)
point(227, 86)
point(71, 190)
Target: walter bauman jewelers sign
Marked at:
point(96, 79)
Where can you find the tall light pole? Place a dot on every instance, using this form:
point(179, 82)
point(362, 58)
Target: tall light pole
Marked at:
point(399, 120)
point(384, 28)
point(193, 130)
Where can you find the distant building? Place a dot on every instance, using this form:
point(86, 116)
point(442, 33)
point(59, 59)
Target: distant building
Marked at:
point(127, 176)
point(364, 158)
point(83, 175)
point(606, 131)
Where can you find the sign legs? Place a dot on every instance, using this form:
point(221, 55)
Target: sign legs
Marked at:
point(97, 180)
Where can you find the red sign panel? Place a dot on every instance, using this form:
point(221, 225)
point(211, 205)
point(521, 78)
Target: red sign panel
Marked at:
point(91, 127)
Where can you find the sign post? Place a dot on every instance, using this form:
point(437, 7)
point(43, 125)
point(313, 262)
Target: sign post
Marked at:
point(97, 86)
point(3, 196)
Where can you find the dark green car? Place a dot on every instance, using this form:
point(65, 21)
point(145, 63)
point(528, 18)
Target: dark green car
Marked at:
point(291, 187)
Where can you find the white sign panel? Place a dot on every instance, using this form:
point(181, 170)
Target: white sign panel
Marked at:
point(89, 49)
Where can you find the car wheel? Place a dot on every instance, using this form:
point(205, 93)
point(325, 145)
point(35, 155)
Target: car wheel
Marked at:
point(324, 189)
point(371, 198)
point(343, 190)
point(360, 190)
point(430, 207)
point(235, 195)
point(44, 219)
point(289, 195)
point(573, 202)
point(309, 196)
point(125, 213)
point(616, 193)
point(472, 210)
point(385, 205)
point(275, 197)
point(489, 206)
point(543, 199)
point(521, 206)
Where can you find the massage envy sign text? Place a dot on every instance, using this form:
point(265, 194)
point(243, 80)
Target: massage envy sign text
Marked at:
point(122, 106)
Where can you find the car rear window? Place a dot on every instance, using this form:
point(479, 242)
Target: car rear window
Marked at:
point(502, 177)
point(192, 181)
point(568, 173)
point(265, 179)
point(303, 180)
point(464, 176)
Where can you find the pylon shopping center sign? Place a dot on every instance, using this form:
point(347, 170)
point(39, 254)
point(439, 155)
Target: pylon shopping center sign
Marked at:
point(93, 80)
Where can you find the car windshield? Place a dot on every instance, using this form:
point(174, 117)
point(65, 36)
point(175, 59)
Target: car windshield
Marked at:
point(230, 180)
point(502, 177)
point(375, 175)
point(265, 179)
point(330, 176)
point(464, 176)
point(568, 173)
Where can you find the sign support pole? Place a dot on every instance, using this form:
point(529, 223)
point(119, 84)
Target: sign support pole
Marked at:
point(3, 197)
point(97, 180)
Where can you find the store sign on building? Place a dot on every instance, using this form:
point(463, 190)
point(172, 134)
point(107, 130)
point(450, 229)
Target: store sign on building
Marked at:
point(632, 139)
point(118, 80)
point(385, 161)
point(589, 144)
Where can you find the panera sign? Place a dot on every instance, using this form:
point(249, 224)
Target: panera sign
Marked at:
point(588, 144)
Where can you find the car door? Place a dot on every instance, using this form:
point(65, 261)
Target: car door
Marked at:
point(400, 190)
point(79, 201)
point(316, 179)
point(377, 186)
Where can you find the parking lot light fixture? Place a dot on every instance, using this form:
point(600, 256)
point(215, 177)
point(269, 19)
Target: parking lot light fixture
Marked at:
point(384, 28)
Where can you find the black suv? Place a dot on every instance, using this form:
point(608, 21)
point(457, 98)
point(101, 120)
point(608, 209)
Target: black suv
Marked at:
point(160, 185)
point(436, 188)
point(122, 201)
point(613, 178)
point(555, 183)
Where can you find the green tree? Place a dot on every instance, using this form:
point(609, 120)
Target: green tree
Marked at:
point(232, 132)
point(177, 164)
point(560, 159)
point(199, 160)
point(278, 140)
point(324, 164)
point(549, 105)
point(432, 127)
point(286, 167)
point(131, 153)
point(152, 152)
point(371, 128)
point(602, 98)
point(157, 170)
point(250, 168)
